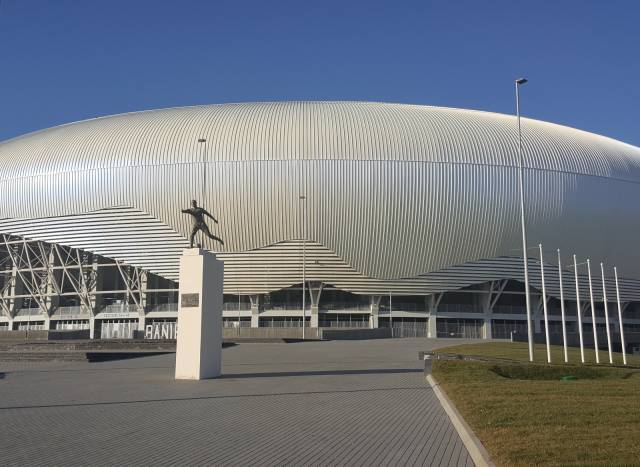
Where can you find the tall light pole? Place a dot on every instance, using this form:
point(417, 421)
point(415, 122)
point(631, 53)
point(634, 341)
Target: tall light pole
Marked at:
point(522, 220)
point(203, 142)
point(303, 198)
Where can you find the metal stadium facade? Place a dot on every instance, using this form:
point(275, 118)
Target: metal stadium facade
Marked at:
point(395, 215)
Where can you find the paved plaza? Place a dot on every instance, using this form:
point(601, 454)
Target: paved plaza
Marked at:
point(312, 403)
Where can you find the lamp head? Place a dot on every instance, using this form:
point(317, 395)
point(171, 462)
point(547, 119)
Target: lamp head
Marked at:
point(521, 81)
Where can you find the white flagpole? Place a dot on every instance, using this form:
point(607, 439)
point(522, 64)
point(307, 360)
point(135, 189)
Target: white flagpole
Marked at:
point(593, 314)
point(544, 303)
point(564, 322)
point(606, 314)
point(575, 269)
point(624, 351)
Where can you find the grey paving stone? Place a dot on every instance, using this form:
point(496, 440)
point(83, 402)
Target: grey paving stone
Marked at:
point(315, 403)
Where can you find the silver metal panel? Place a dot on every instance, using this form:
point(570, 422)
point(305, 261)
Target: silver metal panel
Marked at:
point(120, 233)
point(393, 191)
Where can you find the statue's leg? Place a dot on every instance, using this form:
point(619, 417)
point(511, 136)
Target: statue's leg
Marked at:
point(205, 229)
point(194, 231)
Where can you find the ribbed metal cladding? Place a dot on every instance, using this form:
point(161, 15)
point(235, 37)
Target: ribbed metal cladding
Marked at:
point(394, 191)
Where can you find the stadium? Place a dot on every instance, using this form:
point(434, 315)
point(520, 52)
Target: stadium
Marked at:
point(391, 215)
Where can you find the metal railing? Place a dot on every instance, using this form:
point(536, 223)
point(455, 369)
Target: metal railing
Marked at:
point(71, 326)
point(458, 308)
point(344, 324)
point(509, 309)
point(459, 328)
point(281, 324)
point(285, 306)
point(163, 307)
point(417, 329)
point(120, 308)
point(233, 324)
point(29, 312)
point(70, 311)
point(235, 306)
point(346, 306)
point(26, 326)
point(405, 307)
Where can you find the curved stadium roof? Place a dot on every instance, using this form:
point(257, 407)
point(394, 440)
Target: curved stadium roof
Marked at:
point(313, 130)
point(394, 191)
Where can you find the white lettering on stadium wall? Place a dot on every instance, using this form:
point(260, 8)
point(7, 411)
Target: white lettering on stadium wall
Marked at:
point(161, 331)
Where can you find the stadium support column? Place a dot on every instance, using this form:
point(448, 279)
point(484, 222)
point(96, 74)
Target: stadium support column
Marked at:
point(255, 310)
point(17, 288)
point(434, 302)
point(375, 311)
point(142, 304)
point(486, 310)
point(52, 299)
point(494, 290)
point(537, 315)
point(315, 290)
point(5, 299)
point(95, 284)
point(13, 291)
point(135, 281)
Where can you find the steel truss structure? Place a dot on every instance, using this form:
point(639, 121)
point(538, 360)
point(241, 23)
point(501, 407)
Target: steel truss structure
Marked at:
point(41, 282)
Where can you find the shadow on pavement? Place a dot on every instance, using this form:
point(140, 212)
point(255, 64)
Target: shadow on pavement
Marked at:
point(200, 398)
point(280, 374)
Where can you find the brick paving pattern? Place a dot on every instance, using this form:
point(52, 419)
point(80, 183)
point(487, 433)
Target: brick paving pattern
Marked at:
point(314, 403)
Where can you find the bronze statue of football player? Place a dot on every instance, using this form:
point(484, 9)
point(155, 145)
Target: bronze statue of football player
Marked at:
point(197, 217)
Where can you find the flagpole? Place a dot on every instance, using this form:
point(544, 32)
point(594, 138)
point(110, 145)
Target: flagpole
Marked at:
point(564, 322)
point(624, 350)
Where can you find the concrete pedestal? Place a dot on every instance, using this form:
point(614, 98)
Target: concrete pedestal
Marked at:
point(199, 342)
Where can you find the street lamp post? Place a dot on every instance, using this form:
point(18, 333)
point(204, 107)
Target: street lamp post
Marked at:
point(303, 198)
point(203, 141)
point(519, 82)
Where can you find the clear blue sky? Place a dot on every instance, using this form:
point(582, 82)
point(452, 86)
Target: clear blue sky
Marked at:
point(64, 60)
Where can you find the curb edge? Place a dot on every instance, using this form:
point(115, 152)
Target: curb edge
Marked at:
point(477, 451)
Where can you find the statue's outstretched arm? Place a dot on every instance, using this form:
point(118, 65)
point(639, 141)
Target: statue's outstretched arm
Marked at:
point(208, 214)
point(185, 211)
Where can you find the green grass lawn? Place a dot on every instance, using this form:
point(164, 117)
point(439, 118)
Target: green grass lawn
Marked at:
point(525, 414)
point(520, 351)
